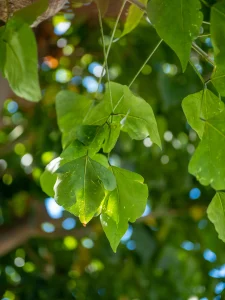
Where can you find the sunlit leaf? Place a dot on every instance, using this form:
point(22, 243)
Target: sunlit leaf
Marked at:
point(125, 204)
point(201, 106)
point(134, 16)
point(48, 177)
point(20, 66)
point(178, 23)
point(217, 30)
point(81, 186)
point(216, 213)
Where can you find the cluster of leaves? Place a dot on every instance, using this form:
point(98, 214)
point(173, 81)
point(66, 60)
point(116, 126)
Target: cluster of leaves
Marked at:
point(178, 24)
point(81, 180)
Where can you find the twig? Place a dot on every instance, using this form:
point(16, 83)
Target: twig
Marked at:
point(111, 40)
point(146, 61)
point(197, 72)
point(202, 53)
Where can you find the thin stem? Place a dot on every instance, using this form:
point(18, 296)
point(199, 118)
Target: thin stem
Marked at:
point(111, 40)
point(197, 72)
point(146, 61)
point(205, 3)
point(105, 56)
point(207, 23)
point(202, 53)
point(204, 35)
point(139, 71)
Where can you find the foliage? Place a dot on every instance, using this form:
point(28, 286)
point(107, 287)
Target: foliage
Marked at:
point(93, 174)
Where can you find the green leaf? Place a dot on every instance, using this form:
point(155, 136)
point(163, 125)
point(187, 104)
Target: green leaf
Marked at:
point(80, 187)
point(125, 204)
point(75, 150)
point(207, 163)
point(71, 109)
point(48, 177)
point(134, 114)
point(178, 23)
point(139, 120)
point(30, 13)
point(133, 18)
point(112, 134)
point(216, 214)
point(217, 30)
point(201, 105)
point(20, 67)
point(91, 136)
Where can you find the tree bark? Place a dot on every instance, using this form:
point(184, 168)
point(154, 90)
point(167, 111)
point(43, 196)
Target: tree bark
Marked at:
point(8, 7)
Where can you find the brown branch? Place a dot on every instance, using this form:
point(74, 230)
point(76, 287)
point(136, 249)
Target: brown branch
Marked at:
point(29, 227)
point(7, 8)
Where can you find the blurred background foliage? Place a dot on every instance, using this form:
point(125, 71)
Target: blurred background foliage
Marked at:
point(173, 251)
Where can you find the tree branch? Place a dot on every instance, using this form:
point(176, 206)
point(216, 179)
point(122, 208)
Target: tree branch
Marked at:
point(30, 226)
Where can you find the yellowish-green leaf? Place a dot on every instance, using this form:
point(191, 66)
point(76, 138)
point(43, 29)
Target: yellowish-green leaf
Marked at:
point(201, 106)
point(134, 17)
point(216, 214)
point(81, 187)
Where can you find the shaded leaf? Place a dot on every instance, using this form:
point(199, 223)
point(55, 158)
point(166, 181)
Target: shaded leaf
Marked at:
point(30, 13)
point(201, 105)
point(71, 109)
point(178, 23)
point(217, 30)
point(112, 134)
point(134, 114)
point(20, 66)
point(216, 214)
point(207, 163)
point(125, 204)
point(91, 136)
